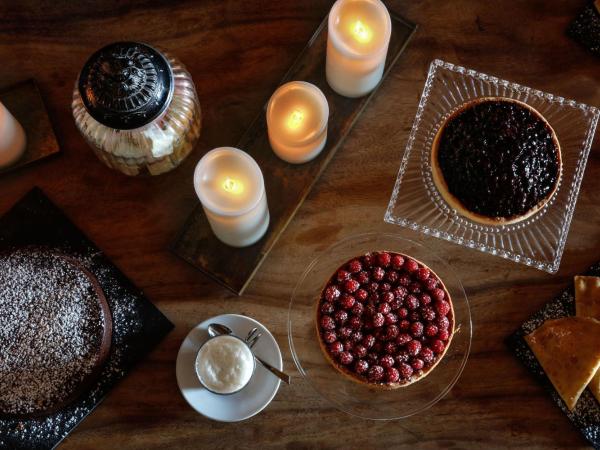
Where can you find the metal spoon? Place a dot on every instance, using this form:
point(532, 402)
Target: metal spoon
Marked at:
point(251, 334)
point(215, 329)
point(253, 337)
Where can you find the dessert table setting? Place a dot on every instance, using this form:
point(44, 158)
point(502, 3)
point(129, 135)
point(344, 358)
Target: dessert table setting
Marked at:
point(320, 224)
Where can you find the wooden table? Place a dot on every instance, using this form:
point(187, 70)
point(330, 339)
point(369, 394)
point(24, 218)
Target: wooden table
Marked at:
point(237, 52)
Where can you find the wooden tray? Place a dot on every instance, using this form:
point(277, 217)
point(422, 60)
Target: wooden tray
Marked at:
point(287, 185)
point(24, 101)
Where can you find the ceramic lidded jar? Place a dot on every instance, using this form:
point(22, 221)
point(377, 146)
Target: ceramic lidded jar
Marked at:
point(137, 107)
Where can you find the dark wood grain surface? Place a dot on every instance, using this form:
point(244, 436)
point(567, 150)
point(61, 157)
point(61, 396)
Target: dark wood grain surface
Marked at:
point(237, 51)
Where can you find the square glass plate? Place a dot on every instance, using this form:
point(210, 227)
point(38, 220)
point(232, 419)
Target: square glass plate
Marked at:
point(416, 203)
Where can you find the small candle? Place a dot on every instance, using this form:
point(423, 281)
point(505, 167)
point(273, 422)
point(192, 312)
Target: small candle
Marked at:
point(231, 188)
point(12, 138)
point(357, 42)
point(297, 115)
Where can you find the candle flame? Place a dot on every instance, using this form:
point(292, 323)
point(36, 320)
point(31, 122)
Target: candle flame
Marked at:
point(295, 119)
point(362, 33)
point(233, 186)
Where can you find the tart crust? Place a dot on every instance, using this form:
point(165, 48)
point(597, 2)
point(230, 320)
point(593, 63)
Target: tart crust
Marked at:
point(454, 202)
point(382, 385)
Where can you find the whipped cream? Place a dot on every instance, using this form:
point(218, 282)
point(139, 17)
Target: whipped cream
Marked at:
point(224, 364)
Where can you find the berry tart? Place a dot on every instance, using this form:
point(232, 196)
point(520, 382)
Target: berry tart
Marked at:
point(496, 160)
point(384, 319)
point(55, 331)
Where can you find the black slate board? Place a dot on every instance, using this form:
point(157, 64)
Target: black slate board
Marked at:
point(585, 29)
point(137, 325)
point(586, 416)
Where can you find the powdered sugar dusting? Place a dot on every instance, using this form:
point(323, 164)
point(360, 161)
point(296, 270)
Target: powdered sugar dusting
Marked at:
point(51, 325)
point(129, 311)
point(137, 326)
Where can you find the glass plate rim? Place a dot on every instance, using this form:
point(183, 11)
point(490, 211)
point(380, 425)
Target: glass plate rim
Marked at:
point(468, 321)
point(573, 184)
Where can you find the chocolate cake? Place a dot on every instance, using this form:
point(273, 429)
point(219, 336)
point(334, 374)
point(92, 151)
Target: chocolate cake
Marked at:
point(496, 160)
point(55, 331)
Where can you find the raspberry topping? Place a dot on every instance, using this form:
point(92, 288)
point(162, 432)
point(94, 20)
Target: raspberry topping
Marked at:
point(392, 375)
point(340, 316)
point(378, 320)
point(361, 366)
point(416, 329)
point(397, 262)
point(358, 309)
point(351, 286)
point(428, 313)
point(375, 373)
point(361, 295)
point(360, 351)
point(422, 273)
point(431, 330)
point(384, 308)
point(438, 294)
point(354, 266)
point(347, 301)
point(411, 265)
point(417, 364)
point(443, 308)
point(384, 259)
point(444, 335)
point(346, 358)
point(332, 293)
point(327, 308)
point(385, 318)
point(413, 348)
point(329, 337)
point(386, 361)
point(327, 323)
point(343, 275)
point(336, 348)
point(405, 370)
point(426, 354)
point(378, 273)
point(411, 302)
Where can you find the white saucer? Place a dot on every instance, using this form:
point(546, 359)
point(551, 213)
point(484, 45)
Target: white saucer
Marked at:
point(249, 401)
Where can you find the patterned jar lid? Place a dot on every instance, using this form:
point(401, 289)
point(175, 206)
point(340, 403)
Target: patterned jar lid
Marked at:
point(126, 85)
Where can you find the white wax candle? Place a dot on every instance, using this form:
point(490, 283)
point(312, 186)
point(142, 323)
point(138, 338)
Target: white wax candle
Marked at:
point(231, 188)
point(357, 43)
point(12, 138)
point(297, 116)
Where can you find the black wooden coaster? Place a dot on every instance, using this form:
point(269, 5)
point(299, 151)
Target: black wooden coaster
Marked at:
point(137, 325)
point(586, 416)
point(287, 185)
point(25, 103)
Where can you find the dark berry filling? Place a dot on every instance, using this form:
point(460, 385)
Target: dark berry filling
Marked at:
point(384, 318)
point(498, 158)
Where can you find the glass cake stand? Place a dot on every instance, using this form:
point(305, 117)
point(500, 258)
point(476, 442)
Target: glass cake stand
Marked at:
point(360, 399)
point(538, 241)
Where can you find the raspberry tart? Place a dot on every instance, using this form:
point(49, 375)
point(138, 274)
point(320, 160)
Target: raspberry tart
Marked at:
point(384, 319)
point(496, 160)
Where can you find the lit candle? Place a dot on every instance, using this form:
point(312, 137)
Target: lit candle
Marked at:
point(357, 42)
point(297, 116)
point(12, 138)
point(231, 188)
